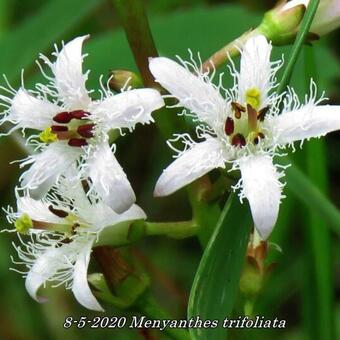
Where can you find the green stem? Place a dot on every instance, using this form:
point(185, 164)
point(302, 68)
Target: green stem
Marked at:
point(127, 232)
point(135, 22)
point(229, 51)
point(149, 307)
point(300, 39)
point(177, 230)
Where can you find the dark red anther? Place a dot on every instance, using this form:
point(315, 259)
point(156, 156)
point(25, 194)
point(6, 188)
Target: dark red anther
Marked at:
point(259, 136)
point(58, 128)
point(238, 109)
point(262, 113)
point(238, 140)
point(63, 117)
point(77, 142)
point(229, 126)
point(58, 212)
point(86, 130)
point(79, 114)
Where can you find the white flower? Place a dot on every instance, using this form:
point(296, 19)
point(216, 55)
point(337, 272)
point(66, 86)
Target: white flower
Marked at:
point(63, 257)
point(327, 17)
point(75, 128)
point(243, 128)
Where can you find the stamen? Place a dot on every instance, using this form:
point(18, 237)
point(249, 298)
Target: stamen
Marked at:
point(259, 136)
point(58, 212)
point(78, 142)
point(86, 130)
point(229, 126)
point(63, 117)
point(262, 113)
point(252, 117)
point(238, 140)
point(58, 128)
point(79, 114)
point(238, 109)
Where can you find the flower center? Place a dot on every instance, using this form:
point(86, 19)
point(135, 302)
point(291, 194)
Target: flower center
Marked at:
point(73, 126)
point(244, 126)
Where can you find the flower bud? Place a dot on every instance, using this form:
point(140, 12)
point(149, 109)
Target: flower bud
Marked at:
point(327, 17)
point(123, 280)
point(281, 24)
point(120, 79)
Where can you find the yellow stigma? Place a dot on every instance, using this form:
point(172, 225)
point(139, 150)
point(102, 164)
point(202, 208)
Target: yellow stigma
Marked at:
point(47, 136)
point(253, 97)
point(23, 224)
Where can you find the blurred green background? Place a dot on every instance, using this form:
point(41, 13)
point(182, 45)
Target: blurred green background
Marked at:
point(304, 287)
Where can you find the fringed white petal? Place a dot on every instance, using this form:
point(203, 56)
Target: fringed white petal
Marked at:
point(37, 210)
point(306, 122)
point(126, 109)
point(192, 164)
point(199, 96)
point(109, 179)
point(262, 188)
point(27, 111)
point(46, 167)
point(255, 68)
point(69, 77)
point(80, 286)
point(100, 216)
point(44, 268)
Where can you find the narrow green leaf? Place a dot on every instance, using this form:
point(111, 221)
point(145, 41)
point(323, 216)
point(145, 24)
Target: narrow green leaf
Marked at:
point(216, 282)
point(318, 276)
point(39, 32)
point(300, 39)
point(311, 195)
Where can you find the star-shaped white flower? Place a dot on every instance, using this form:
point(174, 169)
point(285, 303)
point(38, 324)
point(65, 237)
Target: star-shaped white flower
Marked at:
point(75, 128)
point(63, 257)
point(243, 127)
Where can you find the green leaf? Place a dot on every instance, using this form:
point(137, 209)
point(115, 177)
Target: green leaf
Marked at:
point(216, 282)
point(21, 46)
point(318, 293)
point(310, 195)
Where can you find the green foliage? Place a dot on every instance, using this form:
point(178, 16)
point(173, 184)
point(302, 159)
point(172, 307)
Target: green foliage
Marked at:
point(216, 281)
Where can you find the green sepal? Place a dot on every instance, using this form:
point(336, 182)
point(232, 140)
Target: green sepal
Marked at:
point(280, 26)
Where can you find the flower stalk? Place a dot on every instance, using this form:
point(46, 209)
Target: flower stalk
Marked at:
point(136, 25)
